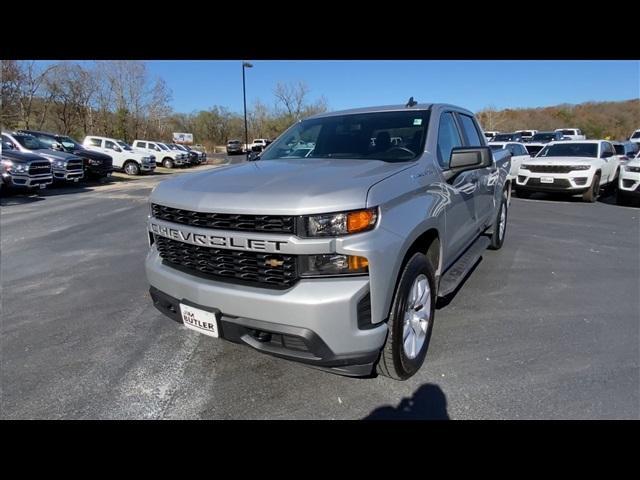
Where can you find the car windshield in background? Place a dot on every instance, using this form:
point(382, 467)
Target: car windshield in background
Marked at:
point(533, 150)
point(29, 142)
point(568, 132)
point(365, 136)
point(570, 149)
point(496, 147)
point(636, 135)
point(544, 137)
point(163, 146)
point(505, 137)
point(69, 143)
point(124, 146)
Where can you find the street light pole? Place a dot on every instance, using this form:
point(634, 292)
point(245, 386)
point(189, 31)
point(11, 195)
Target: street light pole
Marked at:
point(244, 95)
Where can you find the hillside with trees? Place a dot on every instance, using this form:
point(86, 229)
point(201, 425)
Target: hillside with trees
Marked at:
point(615, 120)
point(121, 99)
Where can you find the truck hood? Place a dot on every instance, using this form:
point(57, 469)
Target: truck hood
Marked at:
point(285, 186)
point(562, 161)
point(86, 153)
point(53, 155)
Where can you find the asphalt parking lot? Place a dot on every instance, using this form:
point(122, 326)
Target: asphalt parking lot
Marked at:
point(546, 328)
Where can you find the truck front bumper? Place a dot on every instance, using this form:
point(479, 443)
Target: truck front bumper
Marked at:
point(629, 184)
point(27, 181)
point(314, 322)
point(68, 175)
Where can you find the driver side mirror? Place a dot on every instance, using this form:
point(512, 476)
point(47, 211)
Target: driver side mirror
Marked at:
point(253, 156)
point(468, 158)
point(117, 149)
point(56, 146)
point(8, 145)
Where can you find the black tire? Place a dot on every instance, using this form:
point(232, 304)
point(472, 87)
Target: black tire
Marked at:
point(167, 163)
point(498, 234)
point(523, 193)
point(591, 195)
point(131, 168)
point(394, 362)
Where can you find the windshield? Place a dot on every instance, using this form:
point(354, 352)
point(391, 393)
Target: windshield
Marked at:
point(544, 137)
point(503, 137)
point(366, 136)
point(619, 148)
point(69, 143)
point(636, 134)
point(163, 146)
point(496, 147)
point(29, 142)
point(526, 133)
point(568, 132)
point(124, 146)
point(570, 149)
point(533, 149)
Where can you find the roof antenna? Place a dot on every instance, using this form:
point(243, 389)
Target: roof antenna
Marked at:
point(411, 103)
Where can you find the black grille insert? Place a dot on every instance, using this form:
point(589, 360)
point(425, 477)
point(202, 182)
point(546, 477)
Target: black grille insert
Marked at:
point(39, 168)
point(74, 165)
point(250, 268)
point(550, 168)
point(226, 221)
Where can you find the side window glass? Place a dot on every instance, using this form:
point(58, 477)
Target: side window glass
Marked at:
point(470, 131)
point(448, 139)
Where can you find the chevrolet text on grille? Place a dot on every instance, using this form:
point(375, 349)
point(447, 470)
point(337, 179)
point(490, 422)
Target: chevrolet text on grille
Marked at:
point(217, 240)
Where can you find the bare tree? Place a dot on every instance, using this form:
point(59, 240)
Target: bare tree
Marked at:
point(23, 83)
point(291, 98)
point(490, 118)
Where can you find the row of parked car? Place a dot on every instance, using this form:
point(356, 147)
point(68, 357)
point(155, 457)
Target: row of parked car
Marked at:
point(574, 167)
point(33, 159)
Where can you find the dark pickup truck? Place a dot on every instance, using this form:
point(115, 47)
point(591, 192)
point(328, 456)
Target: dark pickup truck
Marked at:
point(96, 165)
point(24, 171)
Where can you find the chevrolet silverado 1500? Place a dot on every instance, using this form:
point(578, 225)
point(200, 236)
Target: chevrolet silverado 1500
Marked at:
point(334, 259)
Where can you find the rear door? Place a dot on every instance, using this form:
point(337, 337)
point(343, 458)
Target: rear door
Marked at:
point(483, 197)
point(457, 196)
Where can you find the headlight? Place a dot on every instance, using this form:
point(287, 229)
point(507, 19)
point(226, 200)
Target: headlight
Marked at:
point(146, 159)
point(334, 224)
point(627, 168)
point(525, 167)
point(580, 167)
point(59, 164)
point(332, 264)
point(94, 162)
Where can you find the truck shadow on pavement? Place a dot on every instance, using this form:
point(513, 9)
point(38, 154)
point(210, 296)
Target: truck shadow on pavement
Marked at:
point(427, 403)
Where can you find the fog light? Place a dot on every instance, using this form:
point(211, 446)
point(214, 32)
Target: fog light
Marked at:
point(580, 180)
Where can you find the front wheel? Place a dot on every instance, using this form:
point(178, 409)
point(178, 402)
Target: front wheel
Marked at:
point(132, 168)
point(167, 163)
point(411, 320)
point(591, 195)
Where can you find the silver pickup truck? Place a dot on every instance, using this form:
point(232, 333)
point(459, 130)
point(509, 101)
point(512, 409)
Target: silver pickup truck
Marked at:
point(335, 259)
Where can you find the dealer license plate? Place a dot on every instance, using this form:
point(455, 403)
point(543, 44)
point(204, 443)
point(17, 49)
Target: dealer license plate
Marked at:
point(546, 179)
point(199, 320)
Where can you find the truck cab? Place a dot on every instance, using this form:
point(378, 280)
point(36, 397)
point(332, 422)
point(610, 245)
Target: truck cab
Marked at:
point(125, 158)
point(167, 157)
point(571, 133)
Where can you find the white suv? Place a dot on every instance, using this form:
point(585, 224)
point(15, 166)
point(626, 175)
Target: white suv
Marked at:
point(629, 182)
point(167, 157)
point(132, 161)
point(570, 167)
point(571, 133)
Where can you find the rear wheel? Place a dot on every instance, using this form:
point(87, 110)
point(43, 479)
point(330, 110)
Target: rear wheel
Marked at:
point(131, 168)
point(592, 194)
point(411, 320)
point(167, 163)
point(500, 224)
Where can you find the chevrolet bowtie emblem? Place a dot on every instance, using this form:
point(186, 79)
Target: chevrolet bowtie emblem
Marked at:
point(274, 262)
